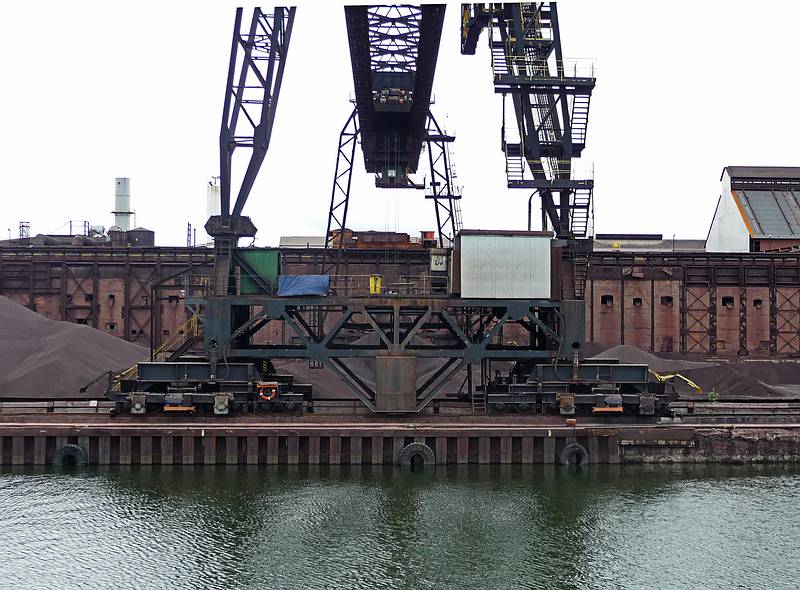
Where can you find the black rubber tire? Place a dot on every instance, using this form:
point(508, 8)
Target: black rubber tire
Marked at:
point(523, 408)
point(289, 407)
point(408, 452)
point(74, 452)
point(577, 451)
point(266, 407)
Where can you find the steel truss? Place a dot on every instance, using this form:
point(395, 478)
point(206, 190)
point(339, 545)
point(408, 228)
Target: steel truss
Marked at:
point(550, 97)
point(393, 47)
point(451, 333)
point(255, 73)
point(441, 189)
point(340, 195)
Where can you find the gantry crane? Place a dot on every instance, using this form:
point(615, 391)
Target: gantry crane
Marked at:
point(550, 96)
point(393, 51)
point(395, 353)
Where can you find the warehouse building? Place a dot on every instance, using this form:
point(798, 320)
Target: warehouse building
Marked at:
point(758, 210)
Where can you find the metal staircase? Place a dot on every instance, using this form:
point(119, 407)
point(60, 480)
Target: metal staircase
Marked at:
point(515, 163)
point(550, 113)
point(580, 118)
point(581, 203)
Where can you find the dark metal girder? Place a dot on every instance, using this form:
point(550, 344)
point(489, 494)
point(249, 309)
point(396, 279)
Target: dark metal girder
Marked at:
point(254, 96)
point(554, 184)
point(551, 103)
point(400, 41)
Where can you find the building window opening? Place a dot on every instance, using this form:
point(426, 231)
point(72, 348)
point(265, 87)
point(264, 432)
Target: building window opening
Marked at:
point(758, 303)
point(727, 302)
point(166, 332)
point(637, 301)
point(607, 300)
point(111, 326)
point(666, 301)
point(89, 297)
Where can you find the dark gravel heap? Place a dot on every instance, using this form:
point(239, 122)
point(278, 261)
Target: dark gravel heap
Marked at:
point(42, 358)
point(733, 378)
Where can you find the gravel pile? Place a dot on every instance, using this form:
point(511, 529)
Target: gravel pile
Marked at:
point(730, 379)
point(635, 356)
point(48, 359)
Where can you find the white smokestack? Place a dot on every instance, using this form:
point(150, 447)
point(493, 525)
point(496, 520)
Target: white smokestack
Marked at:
point(122, 204)
point(212, 200)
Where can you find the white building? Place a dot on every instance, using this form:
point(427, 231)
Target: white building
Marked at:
point(758, 210)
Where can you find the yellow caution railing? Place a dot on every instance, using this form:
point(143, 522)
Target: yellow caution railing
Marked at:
point(185, 332)
point(535, 69)
point(188, 330)
point(666, 378)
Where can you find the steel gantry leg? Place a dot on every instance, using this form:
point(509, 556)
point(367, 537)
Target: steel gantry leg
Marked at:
point(441, 188)
point(340, 196)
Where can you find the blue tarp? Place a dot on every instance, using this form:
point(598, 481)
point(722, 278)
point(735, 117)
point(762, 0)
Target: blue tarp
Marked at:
point(295, 286)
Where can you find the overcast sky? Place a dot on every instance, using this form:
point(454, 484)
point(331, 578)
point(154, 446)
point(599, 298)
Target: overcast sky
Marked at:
point(92, 91)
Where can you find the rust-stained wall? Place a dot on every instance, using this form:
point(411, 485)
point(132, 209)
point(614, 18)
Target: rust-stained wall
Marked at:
point(111, 289)
point(695, 303)
point(721, 304)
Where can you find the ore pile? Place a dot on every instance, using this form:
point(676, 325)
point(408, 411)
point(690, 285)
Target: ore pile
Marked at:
point(729, 378)
point(42, 358)
point(635, 356)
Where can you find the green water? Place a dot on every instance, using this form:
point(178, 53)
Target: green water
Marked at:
point(498, 527)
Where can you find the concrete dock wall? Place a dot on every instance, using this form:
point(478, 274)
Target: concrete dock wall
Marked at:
point(44, 444)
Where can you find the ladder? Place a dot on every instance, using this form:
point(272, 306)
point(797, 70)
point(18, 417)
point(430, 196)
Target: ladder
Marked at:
point(580, 118)
point(579, 222)
point(315, 322)
point(515, 163)
point(478, 399)
point(580, 271)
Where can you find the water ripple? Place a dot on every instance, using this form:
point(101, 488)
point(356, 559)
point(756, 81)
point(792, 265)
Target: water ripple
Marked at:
point(493, 527)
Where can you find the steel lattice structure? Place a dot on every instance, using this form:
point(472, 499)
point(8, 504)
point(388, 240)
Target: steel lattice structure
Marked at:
point(550, 97)
point(393, 50)
point(255, 72)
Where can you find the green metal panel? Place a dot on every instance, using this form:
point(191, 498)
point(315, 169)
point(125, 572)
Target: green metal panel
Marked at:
point(263, 260)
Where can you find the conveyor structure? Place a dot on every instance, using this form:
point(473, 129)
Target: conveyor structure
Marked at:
point(393, 53)
point(550, 98)
point(396, 352)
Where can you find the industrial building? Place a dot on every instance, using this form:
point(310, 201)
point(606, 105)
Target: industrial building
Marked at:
point(449, 322)
point(659, 295)
point(758, 210)
point(735, 293)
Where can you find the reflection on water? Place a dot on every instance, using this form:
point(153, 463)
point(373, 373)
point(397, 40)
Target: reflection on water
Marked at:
point(459, 527)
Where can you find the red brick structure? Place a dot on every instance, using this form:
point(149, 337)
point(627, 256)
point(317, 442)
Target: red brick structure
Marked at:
point(683, 302)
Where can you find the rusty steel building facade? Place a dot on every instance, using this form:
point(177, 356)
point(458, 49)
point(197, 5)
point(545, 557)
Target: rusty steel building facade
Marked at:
point(692, 303)
point(134, 293)
point(696, 303)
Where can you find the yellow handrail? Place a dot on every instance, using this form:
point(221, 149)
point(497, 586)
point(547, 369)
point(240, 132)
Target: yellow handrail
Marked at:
point(665, 378)
point(186, 331)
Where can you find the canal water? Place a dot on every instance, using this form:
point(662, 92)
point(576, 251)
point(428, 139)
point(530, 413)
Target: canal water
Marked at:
point(463, 528)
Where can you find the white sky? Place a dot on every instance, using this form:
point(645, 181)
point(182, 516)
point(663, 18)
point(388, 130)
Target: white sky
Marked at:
point(98, 90)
